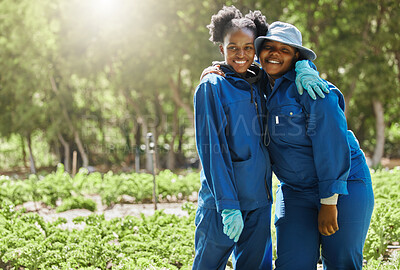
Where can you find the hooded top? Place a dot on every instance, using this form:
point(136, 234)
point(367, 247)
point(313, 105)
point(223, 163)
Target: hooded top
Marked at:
point(236, 171)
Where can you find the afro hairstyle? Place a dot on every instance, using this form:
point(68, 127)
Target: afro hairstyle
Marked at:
point(230, 18)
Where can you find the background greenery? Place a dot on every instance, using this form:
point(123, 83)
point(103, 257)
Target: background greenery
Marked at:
point(160, 241)
point(95, 76)
point(59, 187)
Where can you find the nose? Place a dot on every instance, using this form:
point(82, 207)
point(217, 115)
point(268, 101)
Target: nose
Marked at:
point(274, 50)
point(240, 53)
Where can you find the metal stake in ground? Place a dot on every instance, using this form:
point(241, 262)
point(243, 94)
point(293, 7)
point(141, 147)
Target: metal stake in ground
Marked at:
point(74, 162)
point(151, 150)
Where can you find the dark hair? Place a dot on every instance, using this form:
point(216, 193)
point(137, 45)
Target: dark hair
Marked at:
point(230, 18)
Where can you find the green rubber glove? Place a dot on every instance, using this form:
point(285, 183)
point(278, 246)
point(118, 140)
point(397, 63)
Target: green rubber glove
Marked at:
point(308, 78)
point(233, 223)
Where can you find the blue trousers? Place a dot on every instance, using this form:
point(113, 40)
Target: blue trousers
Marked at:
point(213, 247)
point(298, 239)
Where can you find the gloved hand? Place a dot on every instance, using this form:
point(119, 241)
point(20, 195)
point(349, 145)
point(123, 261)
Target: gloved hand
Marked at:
point(233, 223)
point(308, 78)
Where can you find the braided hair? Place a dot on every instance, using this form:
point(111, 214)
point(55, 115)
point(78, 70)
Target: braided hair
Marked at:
point(230, 18)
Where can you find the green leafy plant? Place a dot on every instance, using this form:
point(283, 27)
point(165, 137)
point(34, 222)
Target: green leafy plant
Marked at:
point(111, 187)
point(385, 223)
point(77, 202)
point(160, 241)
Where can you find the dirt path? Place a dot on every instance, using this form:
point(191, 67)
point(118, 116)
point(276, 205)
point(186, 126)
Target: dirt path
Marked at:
point(117, 211)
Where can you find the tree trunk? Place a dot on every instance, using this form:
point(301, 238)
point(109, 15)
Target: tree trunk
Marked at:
point(56, 145)
point(380, 132)
point(85, 159)
point(77, 139)
point(23, 151)
point(67, 153)
point(128, 150)
point(397, 55)
point(141, 128)
point(176, 95)
point(31, 157)
point(103, 134)
point(349, 96)
point(148, 154)
point(171, 161)
point(158, 127)
point(138, 135)
point(128, 155)
point(156, 157)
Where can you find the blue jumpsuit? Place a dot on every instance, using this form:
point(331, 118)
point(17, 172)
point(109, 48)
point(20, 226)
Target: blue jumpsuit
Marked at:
point(236, 171)
point(314, 156)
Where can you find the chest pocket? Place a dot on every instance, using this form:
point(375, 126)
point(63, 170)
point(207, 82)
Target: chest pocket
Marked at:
point(288, 125)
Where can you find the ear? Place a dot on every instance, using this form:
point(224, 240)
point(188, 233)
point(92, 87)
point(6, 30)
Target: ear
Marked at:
point(221, 49)
point(297, 55)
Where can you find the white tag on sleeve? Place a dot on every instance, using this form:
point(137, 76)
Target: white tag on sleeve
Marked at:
point(277, 120)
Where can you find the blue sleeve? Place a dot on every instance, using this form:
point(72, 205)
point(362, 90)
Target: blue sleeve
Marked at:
point(327, 130)
point(212, 146)
point(312, 65)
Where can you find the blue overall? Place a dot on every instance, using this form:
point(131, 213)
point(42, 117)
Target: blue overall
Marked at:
point(314, 156)
point(236, 171)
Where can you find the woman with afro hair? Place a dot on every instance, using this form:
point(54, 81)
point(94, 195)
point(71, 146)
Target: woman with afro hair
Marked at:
point(234, 208)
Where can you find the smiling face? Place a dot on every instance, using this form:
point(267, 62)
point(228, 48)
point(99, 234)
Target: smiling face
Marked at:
point(238, 50)
point(277, 58)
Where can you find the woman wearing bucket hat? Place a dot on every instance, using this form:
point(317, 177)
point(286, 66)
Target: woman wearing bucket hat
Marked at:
point(325, 199)
point(234, 209)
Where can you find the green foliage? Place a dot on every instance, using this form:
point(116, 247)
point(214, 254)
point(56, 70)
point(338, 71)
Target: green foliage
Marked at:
point(77, 202)
point(385, 223)
point(392, 140)
point(136, 64)
point(159, 241)
point(393, 263)
point(356, 51)
point(111, 187)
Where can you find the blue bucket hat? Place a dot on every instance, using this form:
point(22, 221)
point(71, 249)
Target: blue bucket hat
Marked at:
point(287, 34)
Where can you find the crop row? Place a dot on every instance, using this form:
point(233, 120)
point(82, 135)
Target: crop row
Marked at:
point(160, 241)
point(113, 188)
point(384, 229)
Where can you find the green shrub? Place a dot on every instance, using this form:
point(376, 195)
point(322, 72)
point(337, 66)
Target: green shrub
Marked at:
point(78, 202)
point(385, 223)
point(160, 241)
point(59, 186)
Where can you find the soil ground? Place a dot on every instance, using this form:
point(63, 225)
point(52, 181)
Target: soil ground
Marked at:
point(118, 210)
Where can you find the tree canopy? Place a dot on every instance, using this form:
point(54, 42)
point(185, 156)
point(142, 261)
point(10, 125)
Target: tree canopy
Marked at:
point(96, 76)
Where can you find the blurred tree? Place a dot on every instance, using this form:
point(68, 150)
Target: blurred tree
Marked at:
point(356, 50)
point(96, 76)
point(24, 38)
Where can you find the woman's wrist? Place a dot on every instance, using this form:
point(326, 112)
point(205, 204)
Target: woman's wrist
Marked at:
point(330, 200)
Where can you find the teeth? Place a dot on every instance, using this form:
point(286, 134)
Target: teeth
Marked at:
point(273, 62)
point(240, 62)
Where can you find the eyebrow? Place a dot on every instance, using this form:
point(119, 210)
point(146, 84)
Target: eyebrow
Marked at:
point(233, 43)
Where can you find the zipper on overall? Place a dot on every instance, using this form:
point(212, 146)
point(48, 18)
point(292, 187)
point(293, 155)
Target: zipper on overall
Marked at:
point(268, 188)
